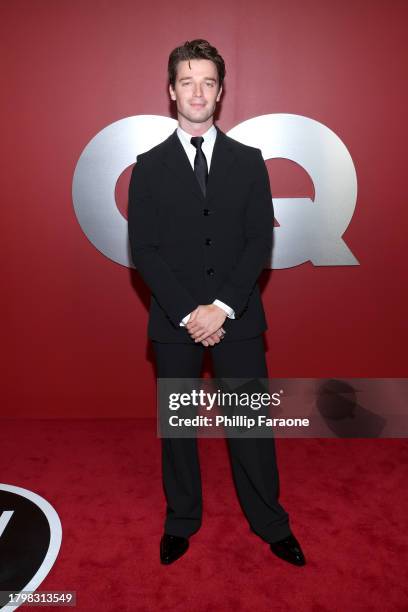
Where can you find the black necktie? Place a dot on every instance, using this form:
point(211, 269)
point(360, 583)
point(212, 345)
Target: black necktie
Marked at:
point(200, 163)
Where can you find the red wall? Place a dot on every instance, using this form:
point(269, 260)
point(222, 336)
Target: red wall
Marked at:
point(74, 329)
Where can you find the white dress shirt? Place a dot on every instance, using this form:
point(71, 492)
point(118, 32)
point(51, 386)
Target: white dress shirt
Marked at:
point(207, 148)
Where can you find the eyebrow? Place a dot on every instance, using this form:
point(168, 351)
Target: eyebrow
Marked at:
point(205, 78)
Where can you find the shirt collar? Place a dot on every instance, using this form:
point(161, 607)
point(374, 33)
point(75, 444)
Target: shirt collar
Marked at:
point(209, 136)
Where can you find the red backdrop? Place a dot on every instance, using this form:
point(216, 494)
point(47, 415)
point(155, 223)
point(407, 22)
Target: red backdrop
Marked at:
point(74, 328)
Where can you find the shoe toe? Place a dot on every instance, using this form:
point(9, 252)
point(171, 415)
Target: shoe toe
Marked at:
point(172, 548)
point(289, 550)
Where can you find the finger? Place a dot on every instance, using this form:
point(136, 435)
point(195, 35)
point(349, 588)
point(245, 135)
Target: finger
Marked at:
point(197, 329)
point(199, 336)
point(195, 326)
point(193, 335)
point(193, 315)
point(212, 340)
point(203, 337)
point(202, 332)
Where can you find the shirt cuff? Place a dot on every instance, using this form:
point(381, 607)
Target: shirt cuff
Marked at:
point(185, 320)
point(227, 309)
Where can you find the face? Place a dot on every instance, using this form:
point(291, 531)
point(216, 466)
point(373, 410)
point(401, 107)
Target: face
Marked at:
point(196, 92)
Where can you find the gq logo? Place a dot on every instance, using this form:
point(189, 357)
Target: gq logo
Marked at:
point(308, 230)
point(30, 538)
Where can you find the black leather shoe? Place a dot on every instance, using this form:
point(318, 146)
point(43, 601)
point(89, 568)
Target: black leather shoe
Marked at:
point(289, 550)
point(172, 548)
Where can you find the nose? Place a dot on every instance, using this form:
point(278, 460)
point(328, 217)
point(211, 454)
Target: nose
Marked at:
point(197, 90)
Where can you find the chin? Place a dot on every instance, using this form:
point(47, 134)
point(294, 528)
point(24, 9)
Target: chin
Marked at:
point(198, 119)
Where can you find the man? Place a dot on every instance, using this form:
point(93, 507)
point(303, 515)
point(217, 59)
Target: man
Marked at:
point(200, 226)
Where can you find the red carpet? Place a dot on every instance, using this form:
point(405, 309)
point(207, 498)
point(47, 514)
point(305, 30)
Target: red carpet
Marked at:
point(347, 500)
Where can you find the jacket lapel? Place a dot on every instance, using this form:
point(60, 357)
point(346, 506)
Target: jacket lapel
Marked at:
point(221, 163)
point(176, 160)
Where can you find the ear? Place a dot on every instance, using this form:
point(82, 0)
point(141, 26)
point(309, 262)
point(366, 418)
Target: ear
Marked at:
point(172, 92)
point(219, 95)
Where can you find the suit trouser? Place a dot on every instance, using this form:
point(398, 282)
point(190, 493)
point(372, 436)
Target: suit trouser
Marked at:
point(253, 460)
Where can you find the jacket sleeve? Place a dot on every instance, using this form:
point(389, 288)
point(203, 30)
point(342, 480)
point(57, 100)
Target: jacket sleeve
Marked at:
point(174, 299)
point(240, 283)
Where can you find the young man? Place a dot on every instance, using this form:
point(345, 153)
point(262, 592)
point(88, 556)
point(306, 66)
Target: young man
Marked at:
point(200, 230)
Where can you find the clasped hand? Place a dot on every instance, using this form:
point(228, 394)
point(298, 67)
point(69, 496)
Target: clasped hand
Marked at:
point(205, 324)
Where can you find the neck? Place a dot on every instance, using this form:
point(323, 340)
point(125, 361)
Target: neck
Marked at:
point(195, 129)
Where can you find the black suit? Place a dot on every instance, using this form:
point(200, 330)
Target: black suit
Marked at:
point(190, 250)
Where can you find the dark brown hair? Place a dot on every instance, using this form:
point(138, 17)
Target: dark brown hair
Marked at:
point(195, 49)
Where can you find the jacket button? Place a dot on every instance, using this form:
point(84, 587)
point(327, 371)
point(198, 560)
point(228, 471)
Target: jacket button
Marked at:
point(208, 242)
point(206, 212)
point(210, 271)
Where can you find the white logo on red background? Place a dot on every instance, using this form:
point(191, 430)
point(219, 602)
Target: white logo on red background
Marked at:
point(309, 230)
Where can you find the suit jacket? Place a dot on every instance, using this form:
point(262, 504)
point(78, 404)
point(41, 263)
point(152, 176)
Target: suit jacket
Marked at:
point(191, 249)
